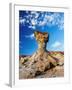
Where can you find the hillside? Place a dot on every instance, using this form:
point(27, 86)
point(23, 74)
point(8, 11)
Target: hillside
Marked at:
point(31, 69)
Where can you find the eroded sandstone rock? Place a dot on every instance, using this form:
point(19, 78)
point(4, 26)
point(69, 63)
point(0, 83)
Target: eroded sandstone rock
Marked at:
point(40, 61)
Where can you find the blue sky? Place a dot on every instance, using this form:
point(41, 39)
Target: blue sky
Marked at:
point(51, 22)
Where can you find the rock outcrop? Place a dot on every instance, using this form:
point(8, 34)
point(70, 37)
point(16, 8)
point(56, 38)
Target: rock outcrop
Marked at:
point(41, 60)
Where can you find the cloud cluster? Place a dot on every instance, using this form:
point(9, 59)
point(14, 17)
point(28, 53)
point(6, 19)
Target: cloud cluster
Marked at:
point(56, 44)
point(31, 36)
point(35, 18)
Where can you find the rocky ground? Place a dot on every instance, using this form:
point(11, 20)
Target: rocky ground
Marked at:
point(44, 65)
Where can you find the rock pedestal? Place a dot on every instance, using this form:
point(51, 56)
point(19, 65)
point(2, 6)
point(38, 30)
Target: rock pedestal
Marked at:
point(40, 61)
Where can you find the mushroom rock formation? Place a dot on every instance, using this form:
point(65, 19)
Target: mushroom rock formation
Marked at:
point(42, 39)
point(40, 57)
point(41, 60)
point(38, 62)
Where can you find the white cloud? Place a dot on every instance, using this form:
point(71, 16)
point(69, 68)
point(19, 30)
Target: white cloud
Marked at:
point(27, 21)
point(61, 24)
point(58, 20)
point(42, 23)
point(44, 19)
point(49, 18)
point(22, 21)
point(56, 44)
point(33, 22)
point(31, 36)
point(35, 14)
point(33, 27)
point(55, 19)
